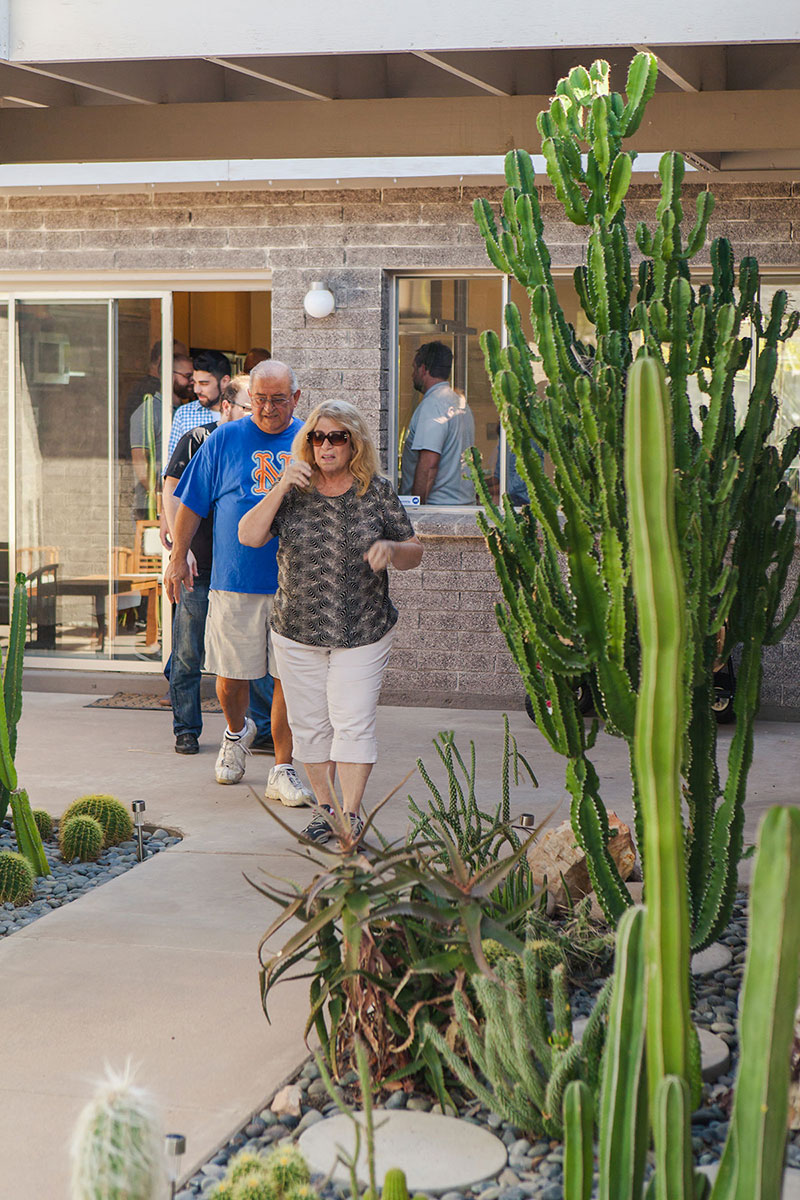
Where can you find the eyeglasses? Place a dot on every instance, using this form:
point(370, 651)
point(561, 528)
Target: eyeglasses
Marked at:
point(275, 401)
point(238, 404)
point(336, 437)
point(184, 374)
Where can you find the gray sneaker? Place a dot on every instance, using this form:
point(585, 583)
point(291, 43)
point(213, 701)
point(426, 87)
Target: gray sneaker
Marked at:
point(230, 763)
point(283, 783)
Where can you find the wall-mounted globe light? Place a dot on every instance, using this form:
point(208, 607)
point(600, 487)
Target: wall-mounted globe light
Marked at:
point(318, 301)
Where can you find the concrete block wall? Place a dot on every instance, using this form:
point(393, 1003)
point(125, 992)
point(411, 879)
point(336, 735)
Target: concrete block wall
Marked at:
point(448, 648)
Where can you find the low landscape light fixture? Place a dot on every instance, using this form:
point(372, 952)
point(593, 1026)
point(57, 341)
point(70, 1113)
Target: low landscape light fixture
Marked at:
point(174, 1148)
point(526, 821)
point(138, 821)
point(318, 301)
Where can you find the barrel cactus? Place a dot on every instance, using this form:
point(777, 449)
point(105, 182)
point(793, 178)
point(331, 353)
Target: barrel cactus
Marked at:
point(287, 1168)
point(118, 1145)
point(81, 837)
point(115, 820)
point(394, 1185)
point(16, 878)
point(244, 1164)
point(43, 822)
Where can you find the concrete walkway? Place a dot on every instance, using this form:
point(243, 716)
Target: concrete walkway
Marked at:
point(160, 964)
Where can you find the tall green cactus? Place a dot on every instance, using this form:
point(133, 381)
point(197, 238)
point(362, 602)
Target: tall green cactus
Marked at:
point(564, 562)
point(29, 840)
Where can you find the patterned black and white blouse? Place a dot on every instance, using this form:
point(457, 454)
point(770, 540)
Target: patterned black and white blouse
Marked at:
point(327, 594)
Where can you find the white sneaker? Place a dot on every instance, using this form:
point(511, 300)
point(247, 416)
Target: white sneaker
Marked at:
point(283, 783)
point(229, 767)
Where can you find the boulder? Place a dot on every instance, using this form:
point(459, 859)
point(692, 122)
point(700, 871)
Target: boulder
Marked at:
point(558, 857)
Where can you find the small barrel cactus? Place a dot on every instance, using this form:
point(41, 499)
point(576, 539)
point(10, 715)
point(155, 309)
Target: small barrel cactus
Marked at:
point(287, 1168)
point(245, 1163)
point(394, 1185)
point(44, 823)
point(254, 1186)
point(16, 878)
point(81, 837)
point(118, 1145)
point(115, 820)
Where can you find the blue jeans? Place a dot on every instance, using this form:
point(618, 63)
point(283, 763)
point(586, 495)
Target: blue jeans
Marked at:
point(188, 638)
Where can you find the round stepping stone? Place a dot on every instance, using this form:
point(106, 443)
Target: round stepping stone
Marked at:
point(715, 957)
point(437, 1153)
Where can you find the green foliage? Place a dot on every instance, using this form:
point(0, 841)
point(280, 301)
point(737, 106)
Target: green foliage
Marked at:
point(581, 943)
point(287, 1168)
point(118, 1145)
point(43, 822)
point(29, 841)
point(80, 837)
point(564, 562)
point(16, 878)
point(479, 836)
point(282, 1174)
point(526, 1056)
point(365, 1125)
point(385, 933)
point(245, 1163)
point(753, 1158)
point(115, 820)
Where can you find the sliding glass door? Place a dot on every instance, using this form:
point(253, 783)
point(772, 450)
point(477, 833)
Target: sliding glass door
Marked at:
point(83, 444)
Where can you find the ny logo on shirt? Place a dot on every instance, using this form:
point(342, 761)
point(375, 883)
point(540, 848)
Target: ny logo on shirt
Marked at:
point(267, 469)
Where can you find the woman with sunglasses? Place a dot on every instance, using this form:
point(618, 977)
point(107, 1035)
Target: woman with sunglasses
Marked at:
point(340, 526)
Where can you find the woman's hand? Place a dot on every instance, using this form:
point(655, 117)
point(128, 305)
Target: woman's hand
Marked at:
point(379, 555)
point(296, 473)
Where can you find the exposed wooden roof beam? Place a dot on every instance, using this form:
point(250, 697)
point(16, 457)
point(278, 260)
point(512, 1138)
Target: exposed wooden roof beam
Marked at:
point(696, 121)
point(443, 65)
point(281, 83)
point(78, 82)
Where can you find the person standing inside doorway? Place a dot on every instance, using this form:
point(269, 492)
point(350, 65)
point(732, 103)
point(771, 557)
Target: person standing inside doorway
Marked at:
point(211, 375)
point(441, 429)
point(229, 474)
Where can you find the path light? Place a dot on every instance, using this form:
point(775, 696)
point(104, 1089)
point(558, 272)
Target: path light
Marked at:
point(174, 1144)
point(138, 820)
point(525, 821)
point(318, 301)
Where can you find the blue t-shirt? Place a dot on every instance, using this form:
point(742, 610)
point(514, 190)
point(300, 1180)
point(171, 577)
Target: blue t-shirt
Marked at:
point(230, 473)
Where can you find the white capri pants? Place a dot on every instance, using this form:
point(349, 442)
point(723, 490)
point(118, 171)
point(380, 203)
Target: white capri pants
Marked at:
point(332, 697)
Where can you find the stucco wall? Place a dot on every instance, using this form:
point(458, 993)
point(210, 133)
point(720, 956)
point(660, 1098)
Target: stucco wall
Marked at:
point(448, 646)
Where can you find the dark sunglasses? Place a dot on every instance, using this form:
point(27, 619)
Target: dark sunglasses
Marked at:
point(336, 437)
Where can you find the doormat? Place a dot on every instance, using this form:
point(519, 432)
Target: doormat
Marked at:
point(146, 700)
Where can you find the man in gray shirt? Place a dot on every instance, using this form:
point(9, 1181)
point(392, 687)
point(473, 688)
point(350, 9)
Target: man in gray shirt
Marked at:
point(441, 429)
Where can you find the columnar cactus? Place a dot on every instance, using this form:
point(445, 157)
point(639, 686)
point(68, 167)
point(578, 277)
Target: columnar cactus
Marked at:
point(564, 561)
point(28, 838)
point(118, 1145)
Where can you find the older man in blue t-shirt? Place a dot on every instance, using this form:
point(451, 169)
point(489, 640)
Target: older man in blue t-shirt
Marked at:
point(230, 473)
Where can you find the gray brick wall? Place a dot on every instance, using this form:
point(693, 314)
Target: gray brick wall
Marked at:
point(448, 648)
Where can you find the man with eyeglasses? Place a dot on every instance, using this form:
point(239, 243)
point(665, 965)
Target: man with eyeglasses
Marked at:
point(228, 475)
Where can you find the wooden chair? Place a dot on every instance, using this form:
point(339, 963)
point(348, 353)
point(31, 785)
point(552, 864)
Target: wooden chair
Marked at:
point(134, 566)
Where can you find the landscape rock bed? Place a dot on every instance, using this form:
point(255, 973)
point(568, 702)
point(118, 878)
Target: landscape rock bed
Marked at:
point(535, 1167)
point(69, 881)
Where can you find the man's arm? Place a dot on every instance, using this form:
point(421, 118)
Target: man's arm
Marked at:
point(425, 474)
point(139, 460)
point(179, 569)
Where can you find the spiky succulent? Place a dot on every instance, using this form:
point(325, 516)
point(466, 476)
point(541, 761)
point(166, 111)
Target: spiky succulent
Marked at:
point(16, 878)
point(43, 822)
point(115, 820)
point(80, 837)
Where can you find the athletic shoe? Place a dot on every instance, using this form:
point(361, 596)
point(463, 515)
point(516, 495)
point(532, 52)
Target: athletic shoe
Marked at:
point(283, 783)
point(186, 743)
point(356, 826)
point(229, 767)
point(320, 830)
point(263, 745)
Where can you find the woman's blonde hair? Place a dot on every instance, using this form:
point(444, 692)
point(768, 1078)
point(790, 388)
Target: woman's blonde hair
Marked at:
point(364, 463)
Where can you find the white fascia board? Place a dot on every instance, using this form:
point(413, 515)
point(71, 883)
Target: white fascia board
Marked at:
point(289, 172)
point(42, 31)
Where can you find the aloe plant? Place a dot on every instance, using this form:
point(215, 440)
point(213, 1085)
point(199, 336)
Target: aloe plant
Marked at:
point(27, 833)
point(564, 561)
